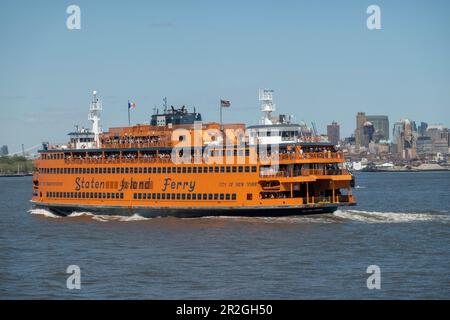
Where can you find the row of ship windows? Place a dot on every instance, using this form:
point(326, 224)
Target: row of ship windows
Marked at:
point(85, 195)
point(145, 170)
point(185, 196)
point(143, 196)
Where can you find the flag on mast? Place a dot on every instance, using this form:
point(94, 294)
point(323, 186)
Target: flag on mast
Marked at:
point(225, 103)
point(131, 105)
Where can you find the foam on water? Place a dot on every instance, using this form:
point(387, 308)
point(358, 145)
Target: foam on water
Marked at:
point(339, 216)
point(389, 217)
point(43, 212)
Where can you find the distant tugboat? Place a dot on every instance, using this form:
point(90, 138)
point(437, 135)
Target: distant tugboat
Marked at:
point(180, 166)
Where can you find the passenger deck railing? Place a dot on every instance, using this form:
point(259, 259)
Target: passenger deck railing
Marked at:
point(166, 158)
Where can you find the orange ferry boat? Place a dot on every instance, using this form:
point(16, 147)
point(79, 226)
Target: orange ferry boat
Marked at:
point(180, 166)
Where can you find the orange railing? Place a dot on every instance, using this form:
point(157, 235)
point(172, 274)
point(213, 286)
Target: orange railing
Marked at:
point(305, 172)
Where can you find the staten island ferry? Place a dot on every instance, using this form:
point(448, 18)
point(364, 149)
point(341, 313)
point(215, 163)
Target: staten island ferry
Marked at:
point(179, 165)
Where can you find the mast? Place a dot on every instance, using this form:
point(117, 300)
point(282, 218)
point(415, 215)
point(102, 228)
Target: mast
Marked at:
point(267, 106)
point(94, 117)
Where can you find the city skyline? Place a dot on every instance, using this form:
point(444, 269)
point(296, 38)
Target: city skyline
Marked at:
point(324, 65)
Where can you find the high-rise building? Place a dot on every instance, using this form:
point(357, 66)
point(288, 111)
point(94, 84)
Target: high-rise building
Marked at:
point(360, 120)
point(333, 133)
point(368, 134)
point(4, 150)
point(381, 126)
point(405, 139)
point(422, 129)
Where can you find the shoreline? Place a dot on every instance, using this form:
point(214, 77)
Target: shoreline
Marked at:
point(413, 170)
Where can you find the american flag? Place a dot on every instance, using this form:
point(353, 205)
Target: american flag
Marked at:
point(131, 105)
point(225, 103)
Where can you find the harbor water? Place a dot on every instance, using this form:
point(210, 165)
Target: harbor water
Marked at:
point(401, 225)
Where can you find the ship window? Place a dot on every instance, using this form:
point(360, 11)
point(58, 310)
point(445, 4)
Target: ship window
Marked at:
point(84, 170)
point(108, 170)
point(189, 169)
point(189, 196)
point(228, 169)
point(178, 170)
point(254, 169)
point(205, 196)
point(216, 169)
point(169, 170)
point(139, 195)
point(178, 196)
point(108, 195)
point(227, 196)
point(210, 196)
point(83, 195)
point(199, 169)
point(164, 170)
point(149, 196)
point(96, 170)
point(113, 170)
point(194, 196)
point(153, 196)
point(126, 170)
point(221, 196)
point(135, 170)
point(104, 170)
point(135, 195)
point(154, 170)
point(121, 196)
point(194, 169)
point(184, 169)
point(140, 170)
point(240, 169)
point(163, 196)
point(222, 169)
point(91, 195)
point(159, 170)
point(233, 196)
point(113, 195)
point(144, 169)
point(183, 196)
point(249, 196)
point(144, 196)
point(233, 169)
point(216, 196)
point(247, 169)
point(172, 196)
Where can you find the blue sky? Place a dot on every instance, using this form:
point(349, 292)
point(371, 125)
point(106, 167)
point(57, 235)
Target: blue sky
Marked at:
point(318, 56)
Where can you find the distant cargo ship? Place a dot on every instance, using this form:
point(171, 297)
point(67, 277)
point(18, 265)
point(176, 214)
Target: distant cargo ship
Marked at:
point(179, 165)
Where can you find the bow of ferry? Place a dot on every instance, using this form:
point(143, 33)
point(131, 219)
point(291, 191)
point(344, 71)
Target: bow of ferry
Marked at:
point(178, 165)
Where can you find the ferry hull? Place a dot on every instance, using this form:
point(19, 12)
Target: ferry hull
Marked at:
point(150, 212)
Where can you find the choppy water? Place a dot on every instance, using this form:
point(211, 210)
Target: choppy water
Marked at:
point(401, 224)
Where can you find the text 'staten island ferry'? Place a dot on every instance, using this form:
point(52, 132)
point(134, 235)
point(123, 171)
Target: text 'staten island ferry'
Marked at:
point(180, 166)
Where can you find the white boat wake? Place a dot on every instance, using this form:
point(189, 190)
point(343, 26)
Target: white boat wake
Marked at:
point(340, 216)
